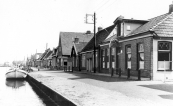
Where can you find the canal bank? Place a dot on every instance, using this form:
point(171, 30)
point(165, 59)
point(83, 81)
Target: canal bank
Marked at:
point(50, 94)
point(93, 90)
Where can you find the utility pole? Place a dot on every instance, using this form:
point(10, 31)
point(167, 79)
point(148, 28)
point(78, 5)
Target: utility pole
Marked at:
point(94, 22)
point(46, 45)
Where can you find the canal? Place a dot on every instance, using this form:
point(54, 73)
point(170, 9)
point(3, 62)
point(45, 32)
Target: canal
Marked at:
point(20, 93)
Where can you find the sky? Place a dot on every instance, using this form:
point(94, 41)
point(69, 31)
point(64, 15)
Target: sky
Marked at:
point(26, 26)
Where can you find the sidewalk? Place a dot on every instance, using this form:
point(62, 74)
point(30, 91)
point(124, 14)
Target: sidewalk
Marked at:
point(96, 90)
point(99, 74)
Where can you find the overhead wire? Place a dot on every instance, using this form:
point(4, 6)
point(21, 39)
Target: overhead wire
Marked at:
point(95, 7)
point(107, 6)
point(102, 5)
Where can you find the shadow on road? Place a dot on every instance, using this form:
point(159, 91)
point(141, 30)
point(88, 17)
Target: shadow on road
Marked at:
point(77, 76)
point(162, 87)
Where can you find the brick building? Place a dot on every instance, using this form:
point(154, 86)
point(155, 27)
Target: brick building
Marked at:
point(147, 50)
point(141, 48)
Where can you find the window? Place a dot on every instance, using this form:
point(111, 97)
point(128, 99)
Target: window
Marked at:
point(164, 55)
point(128, 57)
point(76, 61)
point(113, 64)
point(128, 28)
point(83, 60)
point(122, 29)
point(96, 59)
point(107, 64)
point(103, 58)
point(141, 56)
point(108, 52)
point(62, 62)
point(103, 64)
point(113, 51)
point(103, 52)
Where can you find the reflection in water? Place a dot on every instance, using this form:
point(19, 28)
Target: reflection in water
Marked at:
point(17, 92)
point(15, 83)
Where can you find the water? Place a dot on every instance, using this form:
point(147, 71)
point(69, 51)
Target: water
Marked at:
point(17, 92)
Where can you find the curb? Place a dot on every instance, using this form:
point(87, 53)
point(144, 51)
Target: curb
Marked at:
point(58, 99)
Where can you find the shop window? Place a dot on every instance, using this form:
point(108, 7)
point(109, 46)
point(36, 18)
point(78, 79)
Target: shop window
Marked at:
point(141, 56)
point(164, 55)
point(128, 57)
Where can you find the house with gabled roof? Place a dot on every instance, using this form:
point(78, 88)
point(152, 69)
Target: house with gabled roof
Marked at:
point(66, 40)
point(37, 56)
point(41, 59)
point(76, 57)
point(147, 50)
point(87, 52)
point(47, 58)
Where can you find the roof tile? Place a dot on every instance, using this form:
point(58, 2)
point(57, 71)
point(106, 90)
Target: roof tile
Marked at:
point(68, 37)
point(100, 36)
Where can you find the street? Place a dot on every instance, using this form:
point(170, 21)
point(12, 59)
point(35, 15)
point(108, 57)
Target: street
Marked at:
point(89, 90)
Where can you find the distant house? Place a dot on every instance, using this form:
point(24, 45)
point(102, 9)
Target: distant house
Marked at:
point(66, 40)
point(41, 60)
point(47, 58)
point(54, 58)
point(37, 56)
point(33, 60)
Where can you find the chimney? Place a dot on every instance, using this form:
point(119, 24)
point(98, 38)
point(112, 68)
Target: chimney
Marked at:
point(170, 8)
point(99, 29)
point(88, 32)
point(76, 40)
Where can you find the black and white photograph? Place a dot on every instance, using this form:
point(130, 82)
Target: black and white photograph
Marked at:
point(86, 53)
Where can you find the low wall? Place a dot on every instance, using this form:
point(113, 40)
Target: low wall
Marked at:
point(53, 95)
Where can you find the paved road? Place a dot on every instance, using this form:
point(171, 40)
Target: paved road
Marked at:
point(147, 90)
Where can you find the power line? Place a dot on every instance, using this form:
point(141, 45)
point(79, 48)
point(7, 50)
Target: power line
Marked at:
point(102, 5)
point(107, 6)
point(93, 8)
